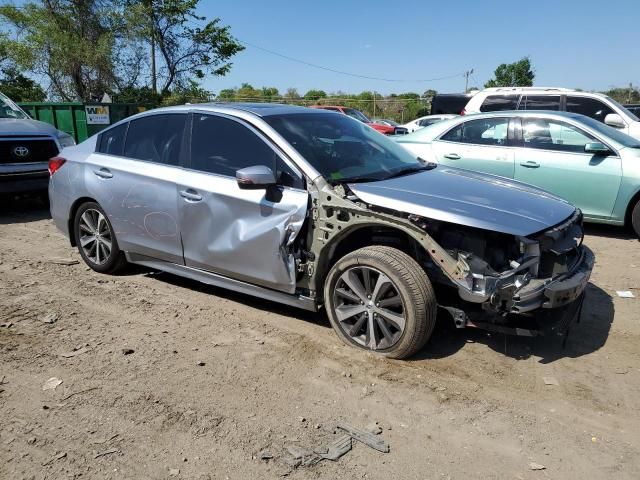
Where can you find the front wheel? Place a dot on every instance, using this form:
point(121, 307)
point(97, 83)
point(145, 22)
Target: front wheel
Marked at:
point(378, 298)
point(96, 240)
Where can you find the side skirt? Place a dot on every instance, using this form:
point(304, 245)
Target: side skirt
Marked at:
point(216, 280)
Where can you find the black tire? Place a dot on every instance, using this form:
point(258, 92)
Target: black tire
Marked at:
point(115, 260)
point(635, 218)
point(407, 280)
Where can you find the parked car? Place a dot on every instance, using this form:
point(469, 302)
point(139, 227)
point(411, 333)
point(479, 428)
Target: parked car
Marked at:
point(422, 122)
point(592, 165)
point(595, 105)
point(398, 129)
point(358, 115)
point(450, 103)
point(26, 146)
point(313, 209)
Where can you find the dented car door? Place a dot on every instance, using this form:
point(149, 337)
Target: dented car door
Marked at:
point(243, 234)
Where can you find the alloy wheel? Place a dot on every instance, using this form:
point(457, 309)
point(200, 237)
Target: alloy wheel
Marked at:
point(95, 236)
point(369, 308)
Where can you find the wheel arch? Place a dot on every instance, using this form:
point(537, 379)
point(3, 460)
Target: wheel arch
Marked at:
point(630, 206)
point(72, 215)
point(364, 235)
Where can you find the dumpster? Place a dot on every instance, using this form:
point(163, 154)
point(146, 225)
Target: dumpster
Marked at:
point(81, 120)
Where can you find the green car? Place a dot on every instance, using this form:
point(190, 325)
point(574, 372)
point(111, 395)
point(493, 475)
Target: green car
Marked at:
point(586, 162)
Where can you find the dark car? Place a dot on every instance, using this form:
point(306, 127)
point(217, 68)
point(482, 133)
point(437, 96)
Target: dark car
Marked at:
point(449, 103)
point(26, 145)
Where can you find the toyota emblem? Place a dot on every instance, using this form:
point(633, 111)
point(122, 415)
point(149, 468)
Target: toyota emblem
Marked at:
point(21, 151)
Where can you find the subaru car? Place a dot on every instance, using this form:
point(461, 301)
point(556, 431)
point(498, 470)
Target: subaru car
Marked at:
point(316, 210)
point(26, 146)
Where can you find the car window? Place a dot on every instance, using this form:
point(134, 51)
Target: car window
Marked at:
point(495, 103)
point(546, 134)
point(156, 138)
point(485, 131)
point(540, 102)
point(223, 146)
point(591, 107)
point(112, 140)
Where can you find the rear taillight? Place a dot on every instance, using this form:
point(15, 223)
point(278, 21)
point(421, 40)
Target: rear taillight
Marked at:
point(463, 112)
point(55, 163)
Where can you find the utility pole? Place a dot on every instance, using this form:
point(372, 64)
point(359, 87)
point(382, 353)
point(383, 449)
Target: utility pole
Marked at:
point(630, 90)
point(374, 104)
point(154, 79)
point(466, 80)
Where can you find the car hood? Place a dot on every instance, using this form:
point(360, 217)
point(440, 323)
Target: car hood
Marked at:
point(25, 126)
point(468, 198)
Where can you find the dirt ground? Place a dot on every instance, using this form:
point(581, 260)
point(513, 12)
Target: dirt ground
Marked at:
point(213, 381)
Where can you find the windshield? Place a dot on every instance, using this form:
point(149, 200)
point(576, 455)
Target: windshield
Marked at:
point(357, 114)
point(625, 110)
point(613, 133)
point(8, 109)
point(343, 150)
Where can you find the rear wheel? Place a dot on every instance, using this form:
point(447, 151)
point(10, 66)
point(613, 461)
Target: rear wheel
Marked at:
point(378, 298)
point(96, 240)
point(635, 218)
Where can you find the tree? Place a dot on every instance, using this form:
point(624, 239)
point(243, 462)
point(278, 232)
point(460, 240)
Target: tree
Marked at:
point(188, 45)
point(315, 95)
point(517, 74)
point(67, 41)
point(624, 95)
point(20, 88)
point(291, 95)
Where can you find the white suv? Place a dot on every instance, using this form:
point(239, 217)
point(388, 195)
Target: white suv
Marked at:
point(594, 105)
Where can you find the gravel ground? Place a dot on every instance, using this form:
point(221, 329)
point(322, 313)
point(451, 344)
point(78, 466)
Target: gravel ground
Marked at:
point(166, 378)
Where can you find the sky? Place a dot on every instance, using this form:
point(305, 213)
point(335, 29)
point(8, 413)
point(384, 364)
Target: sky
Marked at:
point(588, 44)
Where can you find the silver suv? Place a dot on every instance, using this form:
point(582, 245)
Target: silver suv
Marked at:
point(311, 209)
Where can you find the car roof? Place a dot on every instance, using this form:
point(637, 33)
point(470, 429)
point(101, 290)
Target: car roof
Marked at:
point(258, 109)
point(526, 113)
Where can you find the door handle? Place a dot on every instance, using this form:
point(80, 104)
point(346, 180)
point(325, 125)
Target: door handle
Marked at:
point(530, 164)
point(103, 173)
point(190, 195)
point(452, 156)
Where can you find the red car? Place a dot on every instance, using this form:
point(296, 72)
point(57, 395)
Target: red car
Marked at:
point(358, 115)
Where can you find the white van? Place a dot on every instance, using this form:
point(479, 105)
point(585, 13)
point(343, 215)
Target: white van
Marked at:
point(594, 105)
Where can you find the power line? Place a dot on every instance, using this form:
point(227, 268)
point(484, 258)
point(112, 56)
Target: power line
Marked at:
point(367, 77)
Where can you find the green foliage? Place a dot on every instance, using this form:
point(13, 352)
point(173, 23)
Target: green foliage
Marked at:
point(315, 95)
point(401, 107)
point(517, 74)
point(20, 88)
point(88, 47)
point(187, 47)
point(69, 42)
point(624, 95)
point(192, 93)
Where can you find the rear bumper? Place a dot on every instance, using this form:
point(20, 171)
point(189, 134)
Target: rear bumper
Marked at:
point(24, 182)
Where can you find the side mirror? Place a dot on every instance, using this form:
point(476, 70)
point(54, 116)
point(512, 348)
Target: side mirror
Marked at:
point(596, 148)
point(614, 120)
point(256, 177)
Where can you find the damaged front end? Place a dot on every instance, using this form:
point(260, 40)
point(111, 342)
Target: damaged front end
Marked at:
point(528, 285)
point(517, 284)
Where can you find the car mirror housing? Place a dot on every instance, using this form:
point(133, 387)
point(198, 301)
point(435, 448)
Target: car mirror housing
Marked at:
point(614, 120)
point(256, 177)
point(596, 148)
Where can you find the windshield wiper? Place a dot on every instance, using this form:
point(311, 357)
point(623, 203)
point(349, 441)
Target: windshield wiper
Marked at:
point(406, 171)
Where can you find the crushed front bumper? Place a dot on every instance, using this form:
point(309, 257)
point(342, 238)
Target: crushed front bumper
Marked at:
point(556, 292)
